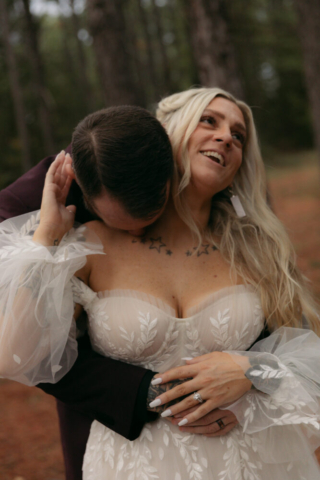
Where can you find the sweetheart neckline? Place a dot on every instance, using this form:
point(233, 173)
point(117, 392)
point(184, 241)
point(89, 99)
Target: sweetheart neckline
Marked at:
point(162, 305)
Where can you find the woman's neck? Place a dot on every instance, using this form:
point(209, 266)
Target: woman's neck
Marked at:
point(171, 227)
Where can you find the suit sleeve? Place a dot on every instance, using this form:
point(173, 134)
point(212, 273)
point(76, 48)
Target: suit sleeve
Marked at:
point(112, 392)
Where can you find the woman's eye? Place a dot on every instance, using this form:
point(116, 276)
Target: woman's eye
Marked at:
point(238, 137)
point(207, 119)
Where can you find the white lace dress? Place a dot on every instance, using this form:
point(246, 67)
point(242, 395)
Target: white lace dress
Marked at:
point(279, 428)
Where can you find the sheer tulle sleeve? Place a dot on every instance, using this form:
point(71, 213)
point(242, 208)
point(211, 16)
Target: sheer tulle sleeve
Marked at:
point(37, 330)
point(285, 372)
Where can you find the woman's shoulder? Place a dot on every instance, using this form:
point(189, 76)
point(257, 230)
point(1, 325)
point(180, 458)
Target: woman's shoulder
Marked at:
point(100, 229)
point(109, 237)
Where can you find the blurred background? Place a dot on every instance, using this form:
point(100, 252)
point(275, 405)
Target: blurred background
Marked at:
point(60, 60)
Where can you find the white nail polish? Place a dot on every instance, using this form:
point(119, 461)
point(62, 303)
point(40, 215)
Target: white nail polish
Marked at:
point(186, 358)
point(166, 413)
point(156, 381)
point(183, 422)
point(155, 403)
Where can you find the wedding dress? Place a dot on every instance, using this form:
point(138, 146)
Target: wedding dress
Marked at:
point(279, 426)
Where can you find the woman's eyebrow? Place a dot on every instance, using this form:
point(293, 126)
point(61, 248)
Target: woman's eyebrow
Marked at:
point(222, 116)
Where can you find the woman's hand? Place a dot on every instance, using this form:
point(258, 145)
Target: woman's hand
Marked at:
point(214, 424)
point(55, 218)
point(215, 376)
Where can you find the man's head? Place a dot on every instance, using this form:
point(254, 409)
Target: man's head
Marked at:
point(123, 163)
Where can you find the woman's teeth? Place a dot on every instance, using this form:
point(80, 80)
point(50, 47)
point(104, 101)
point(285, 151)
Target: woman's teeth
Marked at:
point(214, 155)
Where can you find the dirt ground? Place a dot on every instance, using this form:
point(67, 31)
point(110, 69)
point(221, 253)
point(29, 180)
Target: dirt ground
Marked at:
point(29, 436)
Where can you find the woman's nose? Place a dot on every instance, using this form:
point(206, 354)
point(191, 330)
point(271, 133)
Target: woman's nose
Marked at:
point(224, 136)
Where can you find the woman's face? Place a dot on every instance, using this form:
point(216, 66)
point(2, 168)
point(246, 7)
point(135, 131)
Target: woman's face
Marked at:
point(216, 146)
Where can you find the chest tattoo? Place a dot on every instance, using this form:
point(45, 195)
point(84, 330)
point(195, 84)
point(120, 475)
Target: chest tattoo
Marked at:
point(161, 247)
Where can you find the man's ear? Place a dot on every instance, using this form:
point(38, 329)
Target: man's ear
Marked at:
point(69, 167)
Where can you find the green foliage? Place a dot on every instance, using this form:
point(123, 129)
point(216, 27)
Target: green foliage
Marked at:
point(268, 51)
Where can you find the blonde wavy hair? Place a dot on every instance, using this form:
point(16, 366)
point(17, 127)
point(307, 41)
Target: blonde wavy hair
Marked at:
point(256, 246)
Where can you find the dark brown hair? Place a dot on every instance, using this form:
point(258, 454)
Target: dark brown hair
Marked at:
point(126, 151)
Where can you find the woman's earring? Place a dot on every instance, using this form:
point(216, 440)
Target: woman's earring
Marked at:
point(236, 203)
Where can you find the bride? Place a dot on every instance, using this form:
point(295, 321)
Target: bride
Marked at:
point(205, 277)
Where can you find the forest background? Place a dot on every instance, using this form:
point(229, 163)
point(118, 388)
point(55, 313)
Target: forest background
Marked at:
point(60, 60)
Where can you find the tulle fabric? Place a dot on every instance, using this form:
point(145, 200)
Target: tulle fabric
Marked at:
point(37, 330)
point(285, 404)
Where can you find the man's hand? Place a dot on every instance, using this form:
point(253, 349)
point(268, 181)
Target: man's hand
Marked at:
point(156, 390)
point(215, 376)
point(214, 424)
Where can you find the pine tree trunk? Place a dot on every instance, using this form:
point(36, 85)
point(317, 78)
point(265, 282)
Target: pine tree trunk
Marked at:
point(138, 66)
point(150, 64)
point(107, 27)
point(165, 65)
point(87, 95)
point(39, 85)
point(212, 44)
point(16, 90)
point(309, 29)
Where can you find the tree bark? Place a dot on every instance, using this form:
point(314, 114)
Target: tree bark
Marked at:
point(107, 27)
point(165, 65)
point(309, 30)
point(87, 95)
point(150, 64)
point(39, 84)
point(16, 90)
point(212, 44)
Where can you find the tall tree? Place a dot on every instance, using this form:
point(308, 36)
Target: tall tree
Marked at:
point(107, 27)
point(16, 90)
point(39, 83)
point(150, 63)
point(84, 83)
point(165, 66)
point(212, 44)
point(309, 22)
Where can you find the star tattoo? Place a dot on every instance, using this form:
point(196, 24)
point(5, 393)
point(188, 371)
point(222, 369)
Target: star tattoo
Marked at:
point(168, 252)
point(143, 240)
point(204, 250)
point(156, 244)
point(188, 253)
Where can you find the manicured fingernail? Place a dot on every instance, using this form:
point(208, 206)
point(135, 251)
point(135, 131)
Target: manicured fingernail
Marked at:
point(155, 403)
point(166, 413)
point(156, 381)
point(186, 358)
point(183, 422)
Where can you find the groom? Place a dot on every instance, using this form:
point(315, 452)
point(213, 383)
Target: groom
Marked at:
point(131, 178)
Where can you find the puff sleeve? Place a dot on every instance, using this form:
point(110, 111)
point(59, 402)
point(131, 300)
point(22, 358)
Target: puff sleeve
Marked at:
point(37, 329)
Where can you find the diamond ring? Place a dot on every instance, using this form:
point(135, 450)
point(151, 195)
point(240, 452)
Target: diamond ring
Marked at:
point(198, 397)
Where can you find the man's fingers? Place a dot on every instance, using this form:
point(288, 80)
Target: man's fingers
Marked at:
point(211, 417)
point(223, 431)
point(212, 428)
point(175, 393)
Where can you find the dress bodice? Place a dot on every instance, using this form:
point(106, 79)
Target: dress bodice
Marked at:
point(143, 330)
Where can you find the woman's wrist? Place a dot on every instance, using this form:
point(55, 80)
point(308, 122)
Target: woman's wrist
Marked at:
point(47, 236)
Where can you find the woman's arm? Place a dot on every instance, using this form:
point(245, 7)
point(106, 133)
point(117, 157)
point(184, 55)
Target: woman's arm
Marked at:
point(113, 392)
